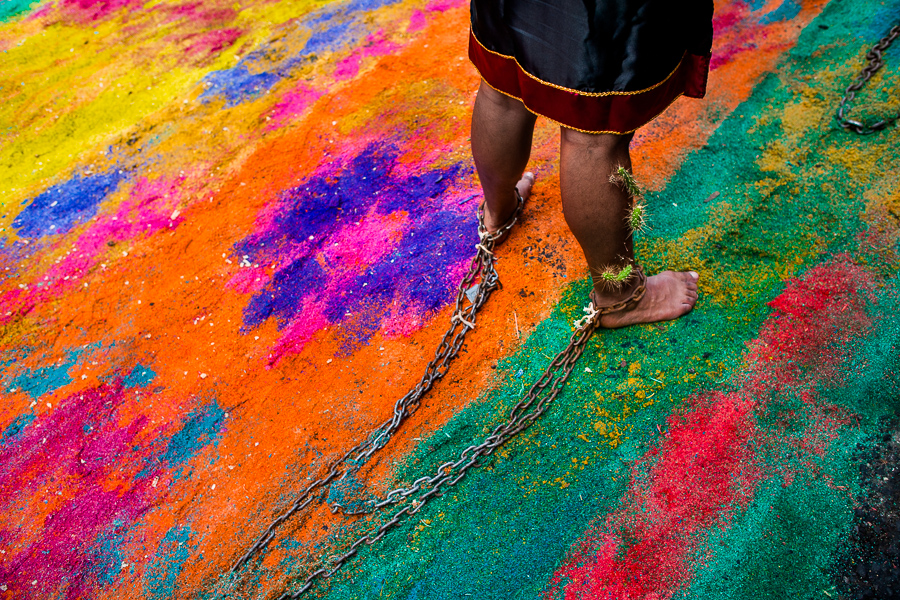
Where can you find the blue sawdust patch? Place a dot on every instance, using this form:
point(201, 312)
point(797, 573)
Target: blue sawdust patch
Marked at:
point(200, 429)
point(40, 381)
point(168, 561)
point(139, 377)
point(785, 12)
point(15, 428)
point(10, 9)
point(106, 557)
point(67, 204)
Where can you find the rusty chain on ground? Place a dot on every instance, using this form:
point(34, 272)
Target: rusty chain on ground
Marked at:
point(875, 62)
point(462, 320)
point(522, 415)
point(534, 404)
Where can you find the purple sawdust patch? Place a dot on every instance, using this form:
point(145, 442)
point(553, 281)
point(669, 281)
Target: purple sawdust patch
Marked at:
point(357, 244)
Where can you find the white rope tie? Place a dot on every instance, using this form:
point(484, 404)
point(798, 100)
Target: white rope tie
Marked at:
point(458, 318)
point(591, 313)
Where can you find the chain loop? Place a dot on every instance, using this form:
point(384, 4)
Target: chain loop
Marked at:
point(461, 322)
point(534, 404)
point(875, 62)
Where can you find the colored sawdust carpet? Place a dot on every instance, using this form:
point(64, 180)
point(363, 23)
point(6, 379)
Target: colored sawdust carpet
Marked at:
point(232, 235)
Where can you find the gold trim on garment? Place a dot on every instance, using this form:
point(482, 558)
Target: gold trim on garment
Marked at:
point(580, 93)
point(552, 120)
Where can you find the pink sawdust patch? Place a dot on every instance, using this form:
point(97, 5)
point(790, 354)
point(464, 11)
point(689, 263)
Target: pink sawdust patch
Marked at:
point(374, 45)
point(292, 105)
point(199, 14)
point(708, 464)
point(417, 21)
point(82, 457)
point(300, 331)
point(403, 320)
point(202, 46)
point(249, 280)
point(86, 11)
point(363, 244)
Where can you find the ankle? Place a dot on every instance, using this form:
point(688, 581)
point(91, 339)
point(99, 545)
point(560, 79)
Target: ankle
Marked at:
point(607, 294)
point(496, 216)
point(500, 208)
point(603, 295)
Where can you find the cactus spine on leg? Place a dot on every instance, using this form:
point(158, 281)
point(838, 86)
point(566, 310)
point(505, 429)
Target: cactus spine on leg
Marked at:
point(636, 218)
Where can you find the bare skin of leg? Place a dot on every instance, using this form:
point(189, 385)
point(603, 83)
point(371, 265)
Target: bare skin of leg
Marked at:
point(595, 211)
point(502, 130)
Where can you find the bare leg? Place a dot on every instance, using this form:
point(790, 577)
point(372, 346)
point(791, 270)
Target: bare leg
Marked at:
point(595, 211)
point(502, 130)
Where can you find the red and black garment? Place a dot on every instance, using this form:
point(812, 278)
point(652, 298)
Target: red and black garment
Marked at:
point(598, 66)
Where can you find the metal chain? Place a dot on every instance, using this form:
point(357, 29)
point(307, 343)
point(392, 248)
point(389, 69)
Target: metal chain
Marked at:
point(534, 404)
point(875, 62)
point(461, 322)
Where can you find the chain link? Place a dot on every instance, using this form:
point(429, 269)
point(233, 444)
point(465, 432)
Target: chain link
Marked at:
point(875, 62)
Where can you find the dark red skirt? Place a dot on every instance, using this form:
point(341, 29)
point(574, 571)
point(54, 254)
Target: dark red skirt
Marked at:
point(608, 66)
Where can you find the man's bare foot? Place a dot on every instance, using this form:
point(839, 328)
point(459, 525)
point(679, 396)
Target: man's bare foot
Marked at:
point(669, 295)
point(495, 222)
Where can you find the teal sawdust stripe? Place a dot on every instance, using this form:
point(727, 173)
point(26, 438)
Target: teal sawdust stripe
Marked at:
point(10, 9)
point(793, 196)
